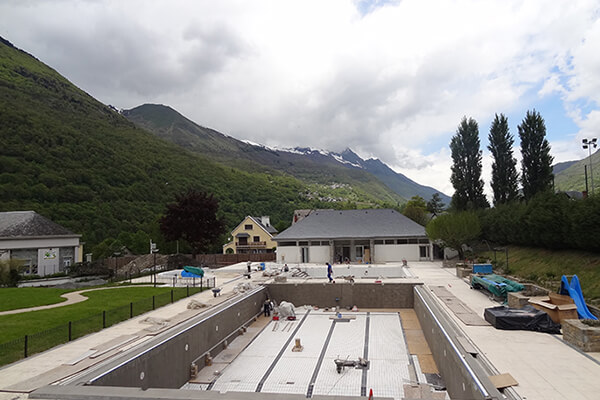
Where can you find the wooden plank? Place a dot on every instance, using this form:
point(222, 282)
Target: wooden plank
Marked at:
point(466, 345)
point(80, 357)
point(416, 343)
point(503, 380)
point(427, 364)
point(472, 319)
point(459, 308)
point(112, 344)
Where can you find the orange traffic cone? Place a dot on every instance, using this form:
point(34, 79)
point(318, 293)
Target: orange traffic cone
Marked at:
point(371, 394)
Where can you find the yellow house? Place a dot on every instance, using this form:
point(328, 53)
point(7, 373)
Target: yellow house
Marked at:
point(252, 235)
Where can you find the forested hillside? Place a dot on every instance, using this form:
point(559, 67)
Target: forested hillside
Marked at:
point(325, 176)
point(82, 164)
point(573, 177)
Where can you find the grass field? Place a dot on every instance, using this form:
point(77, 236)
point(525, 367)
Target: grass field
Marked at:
point(48, 328)
point(546, 267)
point(15, 298)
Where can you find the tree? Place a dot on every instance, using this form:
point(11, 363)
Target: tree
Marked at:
point(193, 218)
point(416, 209)
point(455, 230)
point(536, 173)
point(435, 205)
point(504, 171)
point(466, 167)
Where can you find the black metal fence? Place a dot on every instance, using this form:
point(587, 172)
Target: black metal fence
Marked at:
point(40, 341)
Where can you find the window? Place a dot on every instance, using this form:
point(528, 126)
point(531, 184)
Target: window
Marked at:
point(379, 241)
point(248, 227)
point(286, 244)
point(413, 241)
point(424, 241)
point(303, 243)
point(402, 241)
point(243, 241)
point(325, 243)
point(389, 241)
point(256, 239)
point(316, 243)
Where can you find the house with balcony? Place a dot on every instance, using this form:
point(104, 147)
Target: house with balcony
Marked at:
point(253, 235)
point(42, 246)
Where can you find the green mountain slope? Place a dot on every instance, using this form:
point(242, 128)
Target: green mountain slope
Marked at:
point(326, 175)
point(85, 166)
point(573, 177)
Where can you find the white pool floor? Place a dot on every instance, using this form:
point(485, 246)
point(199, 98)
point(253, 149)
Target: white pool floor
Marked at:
point(269, 365)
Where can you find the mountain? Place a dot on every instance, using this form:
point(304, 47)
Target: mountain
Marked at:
point(559, 167)
point(573, 177)
point(399, 183)
point(327, 169)
point(86, 167)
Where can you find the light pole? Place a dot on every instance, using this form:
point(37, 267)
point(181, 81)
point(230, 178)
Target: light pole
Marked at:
point(589, 144)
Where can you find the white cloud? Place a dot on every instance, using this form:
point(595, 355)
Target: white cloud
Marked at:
point(388, 79)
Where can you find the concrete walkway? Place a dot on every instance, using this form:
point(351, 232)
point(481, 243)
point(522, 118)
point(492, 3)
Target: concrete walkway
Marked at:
point(544, 365)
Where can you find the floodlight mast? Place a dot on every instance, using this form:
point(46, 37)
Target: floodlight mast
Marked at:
point(590, 144)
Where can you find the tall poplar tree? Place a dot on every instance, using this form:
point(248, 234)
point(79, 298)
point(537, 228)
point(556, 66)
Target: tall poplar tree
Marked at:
point(505, 178)
point(466, 167)
point(536, 173)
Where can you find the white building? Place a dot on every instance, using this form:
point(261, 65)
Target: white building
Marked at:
point(375, 236)
point(43, 246)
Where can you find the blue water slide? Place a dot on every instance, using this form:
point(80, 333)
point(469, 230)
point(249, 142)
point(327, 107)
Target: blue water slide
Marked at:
point(574, 290)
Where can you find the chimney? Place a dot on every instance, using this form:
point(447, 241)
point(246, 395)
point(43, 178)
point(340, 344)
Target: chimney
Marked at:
point(266, 221)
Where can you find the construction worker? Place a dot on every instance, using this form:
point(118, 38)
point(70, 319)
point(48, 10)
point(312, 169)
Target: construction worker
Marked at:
point(267, 307)
point(330, 273)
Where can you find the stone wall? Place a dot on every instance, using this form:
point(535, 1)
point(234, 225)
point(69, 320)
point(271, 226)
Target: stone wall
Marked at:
point(584, 337)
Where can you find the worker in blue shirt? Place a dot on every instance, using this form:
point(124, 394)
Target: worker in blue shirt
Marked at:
point(330, 273)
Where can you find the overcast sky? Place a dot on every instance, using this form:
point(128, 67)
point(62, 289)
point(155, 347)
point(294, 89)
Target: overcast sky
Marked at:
point(389, 79)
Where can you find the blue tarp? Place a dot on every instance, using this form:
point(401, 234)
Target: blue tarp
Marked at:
point(185, 274)
point(573, 289)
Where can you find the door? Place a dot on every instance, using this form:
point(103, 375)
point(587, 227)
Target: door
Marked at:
point(304, 254)
point(424, 253)
point(346, 253)
point(359, 251)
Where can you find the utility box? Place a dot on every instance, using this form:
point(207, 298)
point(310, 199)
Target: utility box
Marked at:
point(482, 268)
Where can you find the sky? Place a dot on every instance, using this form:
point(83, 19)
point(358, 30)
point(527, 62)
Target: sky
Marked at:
point(389, 79)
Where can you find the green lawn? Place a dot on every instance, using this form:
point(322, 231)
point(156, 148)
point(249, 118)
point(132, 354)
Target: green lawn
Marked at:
point(48, 328)
point(15, 298)
point(546, 267)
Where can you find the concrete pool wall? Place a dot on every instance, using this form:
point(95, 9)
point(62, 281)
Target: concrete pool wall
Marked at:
point(464, 375)
point(363, 295)
point(165, 362)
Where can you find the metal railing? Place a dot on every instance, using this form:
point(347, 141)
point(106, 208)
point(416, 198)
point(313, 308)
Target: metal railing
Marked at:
point(251, 244)
point(37, 342)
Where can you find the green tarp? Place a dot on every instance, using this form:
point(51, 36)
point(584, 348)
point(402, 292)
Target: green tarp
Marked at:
point(496, 285)
point(194, 270)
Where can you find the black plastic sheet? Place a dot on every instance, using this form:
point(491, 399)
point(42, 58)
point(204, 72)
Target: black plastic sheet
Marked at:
point(526, 319)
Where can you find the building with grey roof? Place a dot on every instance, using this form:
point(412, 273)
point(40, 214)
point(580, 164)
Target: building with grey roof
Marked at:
point(43, 246)
point(376, 236)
